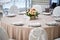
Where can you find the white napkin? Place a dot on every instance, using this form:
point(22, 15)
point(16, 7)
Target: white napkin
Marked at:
point(11, 15)
point(34, 24)
point(23, 12)
point(18, 23)
point(57, 19)
point(46, 13)
point(52, 23)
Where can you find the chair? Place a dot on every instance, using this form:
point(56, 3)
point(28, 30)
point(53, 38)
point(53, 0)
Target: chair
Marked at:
point(38, 34)
point(4, 35)
point(38, 8)
point(56, 12)
point(13, 9)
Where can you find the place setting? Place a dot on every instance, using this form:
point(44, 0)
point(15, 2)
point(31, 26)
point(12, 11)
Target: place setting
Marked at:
point(46, 13)
point(56, 18)
point(18, 23)
point(11, 15)
point(34, 24)
point(52, 23)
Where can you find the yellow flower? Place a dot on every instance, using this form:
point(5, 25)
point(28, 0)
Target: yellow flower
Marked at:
point(32, 11)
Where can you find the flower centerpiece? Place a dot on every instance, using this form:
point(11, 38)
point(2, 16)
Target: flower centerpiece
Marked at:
point(32, 13)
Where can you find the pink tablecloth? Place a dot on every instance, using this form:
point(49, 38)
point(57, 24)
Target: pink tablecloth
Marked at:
point(22, 32)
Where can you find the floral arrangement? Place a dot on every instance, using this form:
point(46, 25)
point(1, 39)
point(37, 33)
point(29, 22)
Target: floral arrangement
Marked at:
point(32, 12)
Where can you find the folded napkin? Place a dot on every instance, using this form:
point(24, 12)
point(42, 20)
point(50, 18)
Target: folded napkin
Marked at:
point(35, 24)
point(44, 13)
point(57, 19)
point(18, 23)
point(22, 13)
point(52, 23)
point(11, 15)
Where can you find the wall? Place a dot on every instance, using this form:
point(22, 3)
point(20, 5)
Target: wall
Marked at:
point(40, 2)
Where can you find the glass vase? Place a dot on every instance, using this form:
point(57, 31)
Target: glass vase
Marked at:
point(32, 17)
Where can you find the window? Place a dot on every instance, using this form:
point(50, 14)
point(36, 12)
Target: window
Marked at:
point(55, 1)
point(21, 4)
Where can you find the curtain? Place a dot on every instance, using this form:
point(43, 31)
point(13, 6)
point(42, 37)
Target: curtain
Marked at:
point(21, 4)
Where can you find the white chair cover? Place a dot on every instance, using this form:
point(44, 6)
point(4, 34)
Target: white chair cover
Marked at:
point(38, 34)
point(38, 8)
point(13, 9)
point(56, 11)
point(3, 34)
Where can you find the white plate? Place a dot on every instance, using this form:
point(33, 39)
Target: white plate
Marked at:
point(36, 24)
point(18, 23)
point(11, 15)
point(54, 16)
point(46, 13)
point(52, 23)
point(57, 19)
point(21, 13)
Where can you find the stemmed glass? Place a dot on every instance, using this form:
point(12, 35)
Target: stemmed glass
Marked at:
point(1, 15)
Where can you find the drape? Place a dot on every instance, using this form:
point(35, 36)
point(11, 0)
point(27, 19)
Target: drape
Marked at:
point(18, 3)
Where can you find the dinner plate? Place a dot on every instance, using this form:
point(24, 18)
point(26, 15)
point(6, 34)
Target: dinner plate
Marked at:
point(11, 15)
point(52, 23)
point(57, 19)
point(35, 24)
point(46, 13)
point(54, 16)
point(22, 13)
point(18, 23)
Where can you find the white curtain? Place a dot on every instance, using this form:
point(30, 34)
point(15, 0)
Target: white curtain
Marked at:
point(21, 4)
point(4, 1)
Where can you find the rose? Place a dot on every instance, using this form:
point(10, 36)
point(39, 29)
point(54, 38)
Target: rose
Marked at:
point(32, 12)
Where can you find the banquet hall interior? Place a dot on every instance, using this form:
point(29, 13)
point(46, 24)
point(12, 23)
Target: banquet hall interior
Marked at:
point(29, 19)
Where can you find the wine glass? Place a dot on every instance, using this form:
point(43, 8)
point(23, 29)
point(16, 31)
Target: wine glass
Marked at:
point(1, 15)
